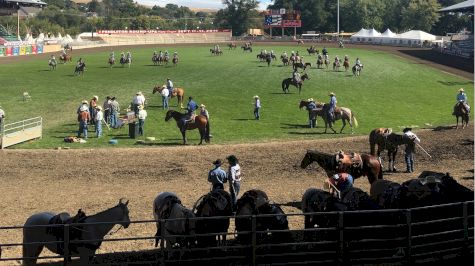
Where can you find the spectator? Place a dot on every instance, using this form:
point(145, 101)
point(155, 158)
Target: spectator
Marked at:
point(106, 106)
point(137, 101)
point(217, 177)
point(312, 114)
point(142, 115)
point(169, 83)
point(93, 107)
point(165, 94)
point(234, 177)
point(342, 181)
point(98, 120)
point(83, 119)
point(2, 117)
point(205, 113)
point(257, 107)
point(410, 149)
point(115, 111)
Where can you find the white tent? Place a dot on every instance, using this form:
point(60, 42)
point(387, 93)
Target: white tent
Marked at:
point(388, 33)
point(414, 38)
point(387, 37)
point(365, 36)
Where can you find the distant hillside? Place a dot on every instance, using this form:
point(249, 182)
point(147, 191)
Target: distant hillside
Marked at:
point(83, 1)
point(206, 10)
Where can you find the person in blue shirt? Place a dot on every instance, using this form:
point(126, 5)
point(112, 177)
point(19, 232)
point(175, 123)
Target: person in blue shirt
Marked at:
point(331, 108)
point(312, 115)
point(217, 176)
point(462, 99)
point(190, 112)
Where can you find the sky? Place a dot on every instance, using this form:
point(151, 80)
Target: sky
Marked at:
point(215, 4)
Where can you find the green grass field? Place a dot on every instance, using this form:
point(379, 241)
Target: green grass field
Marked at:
point(391, 92)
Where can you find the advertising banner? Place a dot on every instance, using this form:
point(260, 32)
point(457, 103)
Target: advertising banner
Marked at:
point(33, 49)
point(158, 31)
point(16, 50)
point(8, 51)
point(2, 51)
point(291, 23)
point(28, 49)
point(22, 50)
point(39, 49)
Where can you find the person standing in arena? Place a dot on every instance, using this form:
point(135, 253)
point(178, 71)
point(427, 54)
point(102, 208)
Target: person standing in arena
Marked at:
point(234, 178)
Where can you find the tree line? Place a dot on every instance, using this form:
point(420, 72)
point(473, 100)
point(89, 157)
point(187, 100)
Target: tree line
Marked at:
point(65, 16)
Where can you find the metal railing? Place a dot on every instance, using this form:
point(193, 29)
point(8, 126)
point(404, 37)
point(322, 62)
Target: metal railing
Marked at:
point(406, 236)
point(21, 131)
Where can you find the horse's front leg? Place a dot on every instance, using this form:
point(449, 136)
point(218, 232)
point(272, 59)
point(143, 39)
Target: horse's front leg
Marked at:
point(183, 134)
point(344, 124)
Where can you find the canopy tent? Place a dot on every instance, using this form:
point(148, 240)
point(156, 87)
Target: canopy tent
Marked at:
point(365, 35)
point(388, 33)
point(410, 38)
point(466, 6)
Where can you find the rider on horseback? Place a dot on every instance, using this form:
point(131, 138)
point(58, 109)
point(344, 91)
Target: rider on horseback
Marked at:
point(190, 112)
point(337, 60)
point(324, 51)
point(284, 55)
point(52, 60)
point(462, 99)
point(358, 62)
point(296, 77)
point(175, 55)
point(331, 108)
point(112, 56)
point(170, 87)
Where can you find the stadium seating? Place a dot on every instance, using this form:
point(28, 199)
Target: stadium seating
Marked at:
point(166, 38)
point(4, 34)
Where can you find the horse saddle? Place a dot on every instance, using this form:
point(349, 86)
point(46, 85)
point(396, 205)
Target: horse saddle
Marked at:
point(352, 160)
point(62, 219)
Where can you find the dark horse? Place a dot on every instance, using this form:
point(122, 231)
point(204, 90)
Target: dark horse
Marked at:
point(460, 111)
point(218, 204)
point(355, 164)
point(79, 70)
point(200, 122)
point(290, 81)
point(255, 202)
point(386, 140)
point(248, 48)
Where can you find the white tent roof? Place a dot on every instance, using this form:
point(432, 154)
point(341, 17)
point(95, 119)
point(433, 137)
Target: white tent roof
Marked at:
point(367, 33)
point(463, 6)
point(388, 33)
point(417, 35)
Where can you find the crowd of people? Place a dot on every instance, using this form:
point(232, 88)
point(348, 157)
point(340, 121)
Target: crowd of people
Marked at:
point(218, 177)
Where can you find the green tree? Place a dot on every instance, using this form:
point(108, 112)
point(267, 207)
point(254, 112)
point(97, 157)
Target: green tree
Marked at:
point(420, 15)
point(237, 15)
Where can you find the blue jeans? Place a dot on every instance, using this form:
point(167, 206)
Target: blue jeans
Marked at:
point(98, 129)
point(409, 157)
point(234, 188)
point(141, 122)
point(312, 119)
point(165, 102)
point(82, 129)
point(113, 119)
point(257, 114)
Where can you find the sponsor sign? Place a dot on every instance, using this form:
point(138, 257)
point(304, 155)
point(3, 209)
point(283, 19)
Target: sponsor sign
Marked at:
point(291, 23)
point(33, 49)
point(22, 50)
point(16, 50)
point(39, 49)
point(2, 51)
point(273, 20)
point(158, 31)
point(8, 51)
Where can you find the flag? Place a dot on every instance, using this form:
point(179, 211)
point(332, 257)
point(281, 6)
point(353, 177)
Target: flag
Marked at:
point(273, 20)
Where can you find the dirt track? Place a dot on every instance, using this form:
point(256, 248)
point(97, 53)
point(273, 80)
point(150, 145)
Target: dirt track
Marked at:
point(66, 180)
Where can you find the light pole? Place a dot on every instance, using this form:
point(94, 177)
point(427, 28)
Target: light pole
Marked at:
point(338, 18)
point(18, 21)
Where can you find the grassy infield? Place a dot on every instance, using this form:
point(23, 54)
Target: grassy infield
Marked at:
point(391, 92)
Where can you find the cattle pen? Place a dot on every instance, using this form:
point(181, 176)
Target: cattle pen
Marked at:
point(431, 234)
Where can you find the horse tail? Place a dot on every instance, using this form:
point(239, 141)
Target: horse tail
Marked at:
point(207, 138)
point(283, 84)
point(372, 142)
point(354, 119)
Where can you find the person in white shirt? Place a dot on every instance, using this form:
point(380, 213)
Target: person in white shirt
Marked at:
point(98, 120)
point(234, 177)
point(2, 116)
point(410, 149)
point(142, 115)
point(138, 100)
point(165, 93)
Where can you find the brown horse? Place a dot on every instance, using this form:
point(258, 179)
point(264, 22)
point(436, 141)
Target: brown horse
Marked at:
point(290, 81)
point(461, 111)
point(346, 65)
point(355, 164)
point(343, 113)
point(175, 61)
point(232, 45)
point(65, 58)
point(179, 93)
point(200, 122)
point(386, 140)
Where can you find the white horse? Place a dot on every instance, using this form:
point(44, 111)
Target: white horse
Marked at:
point(52, 64)
point(177, 221)
point(37, 230)
point(357, 70)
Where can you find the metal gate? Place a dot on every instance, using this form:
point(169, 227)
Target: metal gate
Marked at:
point(21, 131)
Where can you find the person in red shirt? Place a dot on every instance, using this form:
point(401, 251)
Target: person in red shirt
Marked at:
point(342, 181)
point(83, 118)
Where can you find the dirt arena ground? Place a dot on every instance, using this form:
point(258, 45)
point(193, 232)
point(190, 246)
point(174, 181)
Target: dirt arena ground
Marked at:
point(66, 180)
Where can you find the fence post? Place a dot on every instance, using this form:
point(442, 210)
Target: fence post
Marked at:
point(162, 240)
point(66, 244)
point(409, 237)
point(341, 240)
point(465, 229)
point(253, 240)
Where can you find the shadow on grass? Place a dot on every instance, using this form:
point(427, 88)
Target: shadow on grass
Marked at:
point(308, 133)
point(144, 143)
point(455, 83)
point(44, 70)
point(243, 119)
point(281, 93)
point(287, 125)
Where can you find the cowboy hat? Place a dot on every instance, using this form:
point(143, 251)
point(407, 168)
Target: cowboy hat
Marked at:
point(331, 94)
point(139, 93)
point(218, 162)
point(336, 176)
point(95, 97)
point(99, 107)
point(406, 129)
point(461, 90)
point(310, 100)
point(256, 97)
point(84, 102)
point(140, 107)
point(202, 105)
